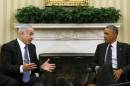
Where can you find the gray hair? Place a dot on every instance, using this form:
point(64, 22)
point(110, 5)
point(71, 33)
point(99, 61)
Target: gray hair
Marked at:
point(24, 27)
point(113, 28)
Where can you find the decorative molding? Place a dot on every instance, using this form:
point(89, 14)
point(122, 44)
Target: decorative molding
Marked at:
point(83, 34)
point(68, 38)
point(70, 26)
point(67, 32)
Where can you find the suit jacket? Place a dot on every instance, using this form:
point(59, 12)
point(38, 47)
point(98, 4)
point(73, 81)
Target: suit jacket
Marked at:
point(3, 78)
point(12, 59)
point(123, 60)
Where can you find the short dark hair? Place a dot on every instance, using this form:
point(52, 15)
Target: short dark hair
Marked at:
point(113, 28)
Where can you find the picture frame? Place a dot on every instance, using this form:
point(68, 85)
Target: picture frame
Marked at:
point(66, 2)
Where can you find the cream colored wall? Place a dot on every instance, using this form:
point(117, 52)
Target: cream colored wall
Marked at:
point(105, 3)
point(7, 20)
point(124, 36)
point(8, 9)
point(1, 22)
point(128, 19)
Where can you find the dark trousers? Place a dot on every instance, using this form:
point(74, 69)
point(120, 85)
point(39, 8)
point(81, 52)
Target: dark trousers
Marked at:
point(105, 77)
point(7, 81)
point(36, 81)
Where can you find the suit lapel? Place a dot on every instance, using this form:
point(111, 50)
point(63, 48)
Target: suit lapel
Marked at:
point(30, 52)
point(18, 51)
point(119, 51)
point(104, 52)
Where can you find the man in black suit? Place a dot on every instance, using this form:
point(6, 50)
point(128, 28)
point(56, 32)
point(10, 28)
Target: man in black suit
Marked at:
point(19, 59)
point(116, 71)
point(5, 80)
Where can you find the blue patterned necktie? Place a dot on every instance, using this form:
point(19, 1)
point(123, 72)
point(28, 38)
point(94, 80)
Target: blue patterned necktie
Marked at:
point(26, 74)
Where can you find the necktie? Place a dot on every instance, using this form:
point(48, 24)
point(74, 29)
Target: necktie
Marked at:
point(26, 74)
point(109, 55)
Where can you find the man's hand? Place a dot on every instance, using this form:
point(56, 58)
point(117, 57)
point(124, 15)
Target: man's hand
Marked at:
point(28, 67)
point(117, 74)
point(47, 66)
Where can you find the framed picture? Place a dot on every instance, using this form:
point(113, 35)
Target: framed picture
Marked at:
point(66, 2)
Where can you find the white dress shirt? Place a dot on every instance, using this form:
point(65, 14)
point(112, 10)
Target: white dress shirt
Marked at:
point(114, 54)
point(22, 48)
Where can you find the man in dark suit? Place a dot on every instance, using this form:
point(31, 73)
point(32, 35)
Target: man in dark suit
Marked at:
point(19, 59)
point(5, 80)
point(116, 71)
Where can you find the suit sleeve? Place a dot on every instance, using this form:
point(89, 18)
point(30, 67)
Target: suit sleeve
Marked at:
point(34, 58)
point(7, 60)
point(126, 68)
point(95, 58)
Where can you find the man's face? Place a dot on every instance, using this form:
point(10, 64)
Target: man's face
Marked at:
point(109, 36)
point(27, 36)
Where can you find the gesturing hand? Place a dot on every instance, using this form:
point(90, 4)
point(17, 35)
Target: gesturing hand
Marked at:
point(47, 66)
point(28, 67)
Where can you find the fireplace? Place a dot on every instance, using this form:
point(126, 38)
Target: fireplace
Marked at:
point(70, 66)
point(68, 38)
point(70, 46)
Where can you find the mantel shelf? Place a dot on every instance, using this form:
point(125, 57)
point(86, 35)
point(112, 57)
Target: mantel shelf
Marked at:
point(68, 26)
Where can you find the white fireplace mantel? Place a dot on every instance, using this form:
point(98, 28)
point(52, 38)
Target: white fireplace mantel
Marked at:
point(68, 38)
point(65, 26)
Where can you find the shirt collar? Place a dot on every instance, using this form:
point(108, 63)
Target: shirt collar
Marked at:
point(114, 44)
point(22, 45)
